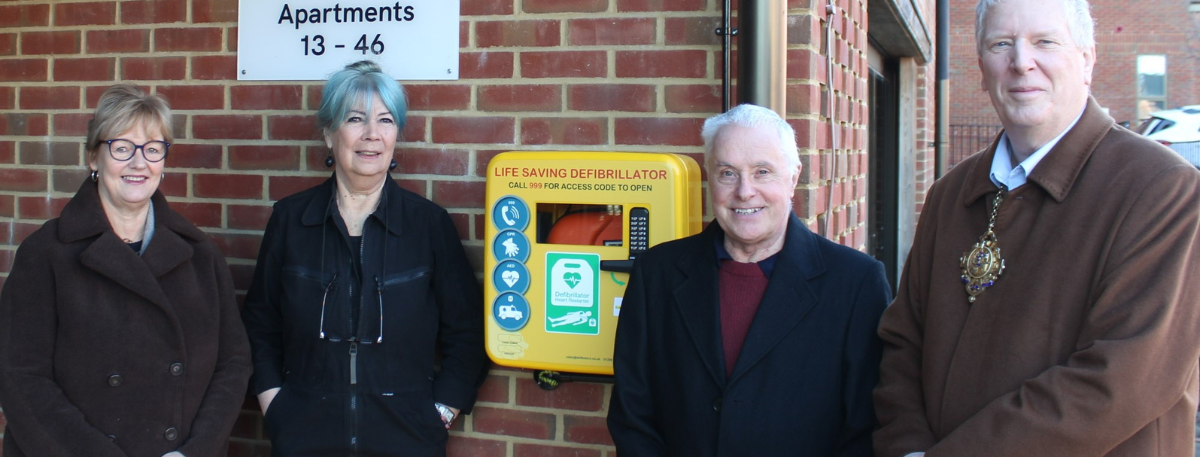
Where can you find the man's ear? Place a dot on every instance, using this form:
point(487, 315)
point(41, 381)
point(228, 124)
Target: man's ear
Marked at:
point(982, 80)
point(1089, 62)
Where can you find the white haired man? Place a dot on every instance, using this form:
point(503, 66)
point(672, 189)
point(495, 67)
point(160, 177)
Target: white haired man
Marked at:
point(1047, 308)
point(754, 337)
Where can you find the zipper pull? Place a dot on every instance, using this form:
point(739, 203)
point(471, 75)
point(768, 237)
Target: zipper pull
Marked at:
point(379, 294)
point(321, 328)
point(353, 362)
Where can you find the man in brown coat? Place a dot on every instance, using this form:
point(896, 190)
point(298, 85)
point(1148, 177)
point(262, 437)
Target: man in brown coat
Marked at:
point(1051, 308)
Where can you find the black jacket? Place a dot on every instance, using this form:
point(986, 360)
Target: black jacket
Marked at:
point(370, 389)
point(802, 383)
point(104, 353)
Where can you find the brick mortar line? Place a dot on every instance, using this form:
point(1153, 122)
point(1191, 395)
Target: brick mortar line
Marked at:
point(526, 440)
point(563, 16)
point(119, 25)
point(610, 148)
point(131, 54)
point(56, 2)
point(544, 409)
point(457, 114)
point(466, 147)
point(604, 47)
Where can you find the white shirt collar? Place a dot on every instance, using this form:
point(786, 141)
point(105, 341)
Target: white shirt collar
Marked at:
point(1005, 174)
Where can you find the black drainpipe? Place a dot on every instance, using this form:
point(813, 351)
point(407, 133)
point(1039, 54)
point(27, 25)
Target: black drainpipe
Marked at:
point(942, 120)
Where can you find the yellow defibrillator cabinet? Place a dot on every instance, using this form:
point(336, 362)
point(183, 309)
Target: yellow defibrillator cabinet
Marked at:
point(562, 231)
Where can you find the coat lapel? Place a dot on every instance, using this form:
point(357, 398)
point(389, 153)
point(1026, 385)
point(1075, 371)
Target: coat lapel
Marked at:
point(166, 251)
point(108, 256)
point(111, 258)
point(319, 206)
point(696, 300)
point(788, 297)
point(1057, 172)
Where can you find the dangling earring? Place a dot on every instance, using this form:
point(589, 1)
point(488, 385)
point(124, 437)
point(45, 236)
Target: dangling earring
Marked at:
point(95, 175)
point(393, 165)
point(329, 161)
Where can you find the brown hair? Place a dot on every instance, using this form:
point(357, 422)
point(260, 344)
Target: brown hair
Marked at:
point(121, 107)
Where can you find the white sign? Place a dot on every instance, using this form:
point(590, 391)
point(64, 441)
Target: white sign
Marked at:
point(308, 40)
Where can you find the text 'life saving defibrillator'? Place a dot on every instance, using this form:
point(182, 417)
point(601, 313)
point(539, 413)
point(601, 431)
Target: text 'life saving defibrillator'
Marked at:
point(562, 230)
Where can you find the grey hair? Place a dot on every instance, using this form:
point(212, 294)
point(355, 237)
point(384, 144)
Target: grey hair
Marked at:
point(1079, 21)
point(747, 115)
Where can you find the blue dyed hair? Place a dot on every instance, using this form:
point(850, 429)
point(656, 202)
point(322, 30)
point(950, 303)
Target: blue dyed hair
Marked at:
point(362, 80)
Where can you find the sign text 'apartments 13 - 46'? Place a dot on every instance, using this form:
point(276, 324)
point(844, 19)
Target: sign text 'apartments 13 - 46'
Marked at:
point(307, 40)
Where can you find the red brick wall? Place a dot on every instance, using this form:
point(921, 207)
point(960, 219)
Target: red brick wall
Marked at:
point(637, 75)
point(1124, 29)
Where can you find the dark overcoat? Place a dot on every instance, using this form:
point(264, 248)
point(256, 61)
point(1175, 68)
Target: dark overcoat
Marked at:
point(802, 383)
point(105, 353)
point(364, 386)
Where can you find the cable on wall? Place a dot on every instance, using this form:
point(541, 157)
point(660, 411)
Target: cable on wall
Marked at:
point(830, 16)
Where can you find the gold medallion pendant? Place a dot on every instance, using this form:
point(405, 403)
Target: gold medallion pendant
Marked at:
point(982, 265)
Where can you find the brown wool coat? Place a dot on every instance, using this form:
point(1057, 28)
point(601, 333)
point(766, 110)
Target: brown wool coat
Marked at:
point(1088, 343)
point(103, 353)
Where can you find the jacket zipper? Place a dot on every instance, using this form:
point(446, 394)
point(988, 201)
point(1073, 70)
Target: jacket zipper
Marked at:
point(408, 277)
point(354, 345)
point(304, 273)
point(354, 423)
point(353, 398)
point(353, 363)
point(358, 279)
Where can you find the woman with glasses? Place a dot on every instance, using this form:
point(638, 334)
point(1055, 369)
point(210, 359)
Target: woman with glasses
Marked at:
point(119, 331)
point(365, 318)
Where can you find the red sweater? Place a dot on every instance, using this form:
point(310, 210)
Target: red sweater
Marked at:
point(741, 288)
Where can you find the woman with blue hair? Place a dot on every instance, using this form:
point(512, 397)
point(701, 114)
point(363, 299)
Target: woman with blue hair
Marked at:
point(361, 292)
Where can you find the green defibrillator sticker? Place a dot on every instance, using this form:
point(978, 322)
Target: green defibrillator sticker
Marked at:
point(573, 293)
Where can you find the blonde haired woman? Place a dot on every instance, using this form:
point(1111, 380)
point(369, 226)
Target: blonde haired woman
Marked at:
point(119, 332)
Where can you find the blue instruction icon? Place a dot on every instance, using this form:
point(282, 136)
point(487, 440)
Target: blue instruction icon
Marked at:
point(510, 245)
point(510, 311)
point(511, 276)
point(511, 213)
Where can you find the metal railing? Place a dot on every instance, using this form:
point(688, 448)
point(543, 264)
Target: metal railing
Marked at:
point(969, 137)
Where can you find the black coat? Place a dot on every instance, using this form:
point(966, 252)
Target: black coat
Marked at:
point(802, 383)
point(104, 353)
point(383, 403)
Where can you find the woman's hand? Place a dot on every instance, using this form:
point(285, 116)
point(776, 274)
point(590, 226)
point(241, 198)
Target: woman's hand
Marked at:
point(265, 399)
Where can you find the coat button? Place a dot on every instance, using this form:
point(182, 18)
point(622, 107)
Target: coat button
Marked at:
point(114, 380)
point(171, 434)
point(717, 405)
point(111, 437)
point(176, 368)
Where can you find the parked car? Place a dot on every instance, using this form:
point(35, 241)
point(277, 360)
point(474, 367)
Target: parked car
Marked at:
point(1179, 129)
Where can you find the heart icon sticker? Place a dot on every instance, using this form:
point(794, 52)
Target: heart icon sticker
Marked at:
point(572, 278)
point(510, 277)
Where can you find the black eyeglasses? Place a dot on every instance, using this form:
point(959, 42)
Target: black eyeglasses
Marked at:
point(379, 294)
point(122, 150)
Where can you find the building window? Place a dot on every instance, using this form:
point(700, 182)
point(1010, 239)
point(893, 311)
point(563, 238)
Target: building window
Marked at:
point(1152, 84)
